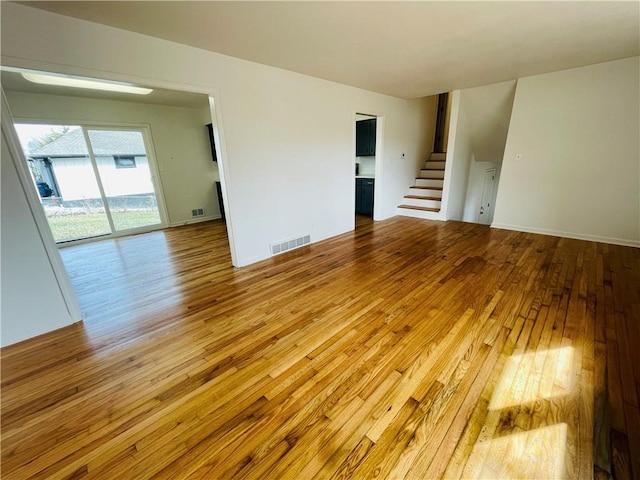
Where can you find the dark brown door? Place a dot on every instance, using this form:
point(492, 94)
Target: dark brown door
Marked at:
point(438, 142)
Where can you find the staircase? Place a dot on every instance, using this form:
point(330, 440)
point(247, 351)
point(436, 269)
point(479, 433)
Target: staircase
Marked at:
point(425, 196)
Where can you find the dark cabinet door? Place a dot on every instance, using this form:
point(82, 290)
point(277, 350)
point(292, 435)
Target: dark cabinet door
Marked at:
point(366, 138)
point(372, 136)
point(364, 196)
point(367, 196)
point(361, 133)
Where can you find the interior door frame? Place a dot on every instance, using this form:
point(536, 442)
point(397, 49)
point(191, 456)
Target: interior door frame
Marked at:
point(37, 212)
point(379, 168)
point(145, 130)
point(215, 111)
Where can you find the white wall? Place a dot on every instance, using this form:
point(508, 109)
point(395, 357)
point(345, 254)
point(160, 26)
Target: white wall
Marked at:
point(367, 165)
point(415, 141)
point(459, 157)
point(578, 132)
point(179, 136)
point(488, 111)
point(32, 301)
point(288, 139)
point(447, 123)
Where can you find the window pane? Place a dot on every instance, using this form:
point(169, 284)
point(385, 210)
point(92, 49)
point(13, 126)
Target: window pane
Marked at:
point(126, 177)
point(58, 159)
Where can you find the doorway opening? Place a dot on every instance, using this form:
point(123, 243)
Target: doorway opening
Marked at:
point(93, 182)
point(368, 148)
point(106, 165)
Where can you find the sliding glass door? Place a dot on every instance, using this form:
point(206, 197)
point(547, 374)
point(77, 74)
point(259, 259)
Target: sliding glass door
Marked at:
point(123, 168)
point(91, 181)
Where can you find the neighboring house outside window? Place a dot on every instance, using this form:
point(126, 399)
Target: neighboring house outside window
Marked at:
point(124, 161)
point(67, 169)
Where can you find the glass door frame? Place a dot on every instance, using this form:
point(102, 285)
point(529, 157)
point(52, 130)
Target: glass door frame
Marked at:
point(156, 181)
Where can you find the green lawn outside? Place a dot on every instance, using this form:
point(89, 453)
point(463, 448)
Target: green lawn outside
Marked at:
point(83, 225)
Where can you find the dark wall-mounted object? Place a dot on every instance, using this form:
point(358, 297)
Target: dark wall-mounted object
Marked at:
point(220, 200)
point(213, 142)
point(366, 138)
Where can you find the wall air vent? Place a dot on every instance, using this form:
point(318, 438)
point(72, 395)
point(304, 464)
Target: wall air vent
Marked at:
point(281, 247)
point(197, 212)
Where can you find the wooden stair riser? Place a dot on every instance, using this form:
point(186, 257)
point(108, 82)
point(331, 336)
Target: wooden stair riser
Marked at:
point(438, 156)
point(407, 212)
point(435, 165)
point(429, 182)
point(421, 202)
point(431, 173)
point(425, 192)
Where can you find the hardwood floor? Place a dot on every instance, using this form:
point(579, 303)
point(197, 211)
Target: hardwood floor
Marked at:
point(406, 349)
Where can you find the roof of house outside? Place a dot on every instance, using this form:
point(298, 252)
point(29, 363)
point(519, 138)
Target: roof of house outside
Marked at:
point(103, 142)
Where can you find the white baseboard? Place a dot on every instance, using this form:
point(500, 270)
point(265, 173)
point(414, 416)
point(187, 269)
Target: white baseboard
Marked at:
point(315, 238)
point(195, 220)
point(245, 262)
point(576, 236)
point(319, 237)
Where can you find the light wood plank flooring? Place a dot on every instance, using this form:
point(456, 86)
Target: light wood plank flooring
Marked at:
point(406, 349)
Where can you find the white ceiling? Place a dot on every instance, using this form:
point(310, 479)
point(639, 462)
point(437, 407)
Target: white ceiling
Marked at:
point(406, 49)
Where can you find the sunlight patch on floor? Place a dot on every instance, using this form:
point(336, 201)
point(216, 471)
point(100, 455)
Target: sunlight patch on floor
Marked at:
point(534, 375)
point(535, 454)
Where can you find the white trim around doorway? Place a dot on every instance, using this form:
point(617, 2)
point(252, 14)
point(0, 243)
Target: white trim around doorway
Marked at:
point(51, 249)
point(215, 109)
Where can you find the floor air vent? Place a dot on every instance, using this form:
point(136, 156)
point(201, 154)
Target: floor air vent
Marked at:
point(281, 247)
